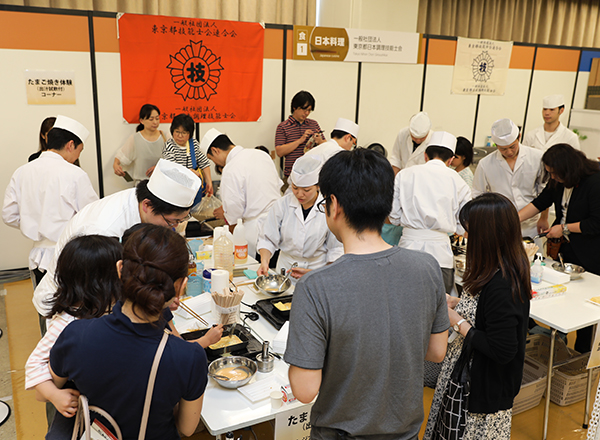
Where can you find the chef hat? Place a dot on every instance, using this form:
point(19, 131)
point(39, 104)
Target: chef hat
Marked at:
point(347, 126)
point(305, 171)
point(174, 184)
point(208, 139)
point(72, 126)
point(554, 101)
point(420, 124)
point(443, 139)
point(504, 132)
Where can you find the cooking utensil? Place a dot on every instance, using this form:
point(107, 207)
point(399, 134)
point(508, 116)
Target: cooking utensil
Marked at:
point(272, 284)
point(194, 314)
point(238, 362)
point(562, 262)
point(218, 376)
point(573, 270)
point(543, 234)
point(229, 331)
point(287, 275)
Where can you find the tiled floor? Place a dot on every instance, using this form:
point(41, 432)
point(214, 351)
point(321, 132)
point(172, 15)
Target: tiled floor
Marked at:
point(21, 334)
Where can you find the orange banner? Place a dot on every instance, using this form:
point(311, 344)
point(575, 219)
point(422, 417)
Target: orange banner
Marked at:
point(210, 69)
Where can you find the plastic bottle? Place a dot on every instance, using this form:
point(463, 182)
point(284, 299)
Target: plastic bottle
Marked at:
point(537, 271)
point(240, 243)
point(223, 253)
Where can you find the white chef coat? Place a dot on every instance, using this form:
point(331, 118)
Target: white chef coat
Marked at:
point(249, 186)
point(562, 135)
point(110, 216)
point(42, 196)
point(427, 200)
point(325, 150)
point(402, 155)
point(308, 242)
point(520, 186)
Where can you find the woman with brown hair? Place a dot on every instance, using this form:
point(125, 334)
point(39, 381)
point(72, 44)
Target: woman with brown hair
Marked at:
point(495, 309)
point(109, 359)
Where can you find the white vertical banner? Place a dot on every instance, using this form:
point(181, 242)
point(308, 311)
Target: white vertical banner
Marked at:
point(293, 424)
point(481, 67)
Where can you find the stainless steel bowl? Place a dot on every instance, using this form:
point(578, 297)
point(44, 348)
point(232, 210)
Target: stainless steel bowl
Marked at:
point(573, 270)
point(233, 361)
point(269, 284)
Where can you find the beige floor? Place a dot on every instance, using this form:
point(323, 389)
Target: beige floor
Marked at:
point(22, 333)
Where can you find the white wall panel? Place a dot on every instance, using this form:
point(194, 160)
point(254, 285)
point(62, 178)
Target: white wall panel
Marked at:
point(581, 90)
point(21, 125)
point(390, 94)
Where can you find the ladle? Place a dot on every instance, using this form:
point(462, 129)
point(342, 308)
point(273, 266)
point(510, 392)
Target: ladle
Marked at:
point(287, 275)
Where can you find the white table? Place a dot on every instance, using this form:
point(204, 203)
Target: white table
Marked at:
point(226, 410)
point(568, 313)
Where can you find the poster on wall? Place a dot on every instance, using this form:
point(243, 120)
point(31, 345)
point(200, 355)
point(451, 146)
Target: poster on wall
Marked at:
point(46, 87)
point(481, 67)
point(293, 424)
point(340, 44)
point(209, 69)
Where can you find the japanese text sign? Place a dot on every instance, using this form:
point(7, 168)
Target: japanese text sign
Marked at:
point(50, 87)
point(338, 44)
point(481, 67)
point(293, 424)
point(209, 69)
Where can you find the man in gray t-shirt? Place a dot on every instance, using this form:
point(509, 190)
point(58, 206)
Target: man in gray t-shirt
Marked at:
point(361, 327)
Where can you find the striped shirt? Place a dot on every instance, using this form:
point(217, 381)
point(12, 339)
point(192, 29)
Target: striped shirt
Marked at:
point(291, 130)
point(181, 155)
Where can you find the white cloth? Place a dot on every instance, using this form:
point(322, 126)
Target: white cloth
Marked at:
point(110, 216)
point(309, 242)
point(41, 197)
point(249, 186)
point(427, 200)
point(520, 186)
point(325, 150)
point(562, 135)
point(402, 155)
point(37, 368)
point(139, 154)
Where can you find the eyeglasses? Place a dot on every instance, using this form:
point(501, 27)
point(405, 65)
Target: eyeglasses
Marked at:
point(181, 133)
point(176, 222)
point(321, 204)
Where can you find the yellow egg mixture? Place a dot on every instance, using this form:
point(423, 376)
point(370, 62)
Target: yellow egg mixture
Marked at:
point(226, 342)
point(234, 373)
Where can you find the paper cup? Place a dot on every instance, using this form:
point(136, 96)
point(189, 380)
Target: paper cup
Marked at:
point(276, 399)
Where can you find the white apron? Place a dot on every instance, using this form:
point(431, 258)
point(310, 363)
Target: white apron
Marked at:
point(435, 243)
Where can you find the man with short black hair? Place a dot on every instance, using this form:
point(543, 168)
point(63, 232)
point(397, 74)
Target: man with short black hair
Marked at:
point(361, 327)
point(343, 137)
point(427, 200)
point(45, 194)
point(552, 132)
point(293, 134)
point(249, 186)
point(163, 200)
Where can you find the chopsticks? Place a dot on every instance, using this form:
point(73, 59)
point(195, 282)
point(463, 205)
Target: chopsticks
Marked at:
point(194, 314)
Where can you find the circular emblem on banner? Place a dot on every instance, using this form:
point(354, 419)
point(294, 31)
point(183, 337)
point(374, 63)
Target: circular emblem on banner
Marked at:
point(482, 67)
point(195, 71)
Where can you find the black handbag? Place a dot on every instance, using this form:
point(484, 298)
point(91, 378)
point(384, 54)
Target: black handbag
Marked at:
point(452, 416)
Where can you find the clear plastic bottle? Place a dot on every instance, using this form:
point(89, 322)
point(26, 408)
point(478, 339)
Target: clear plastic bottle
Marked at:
point(240, 243)
point(223, 253)
point(537, 271)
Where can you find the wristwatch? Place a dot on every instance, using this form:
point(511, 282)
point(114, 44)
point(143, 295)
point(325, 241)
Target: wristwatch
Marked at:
point(456, 326)
point(566, 230)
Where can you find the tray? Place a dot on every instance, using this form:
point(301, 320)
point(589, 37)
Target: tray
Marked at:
point(249, 348)
point(266, 308)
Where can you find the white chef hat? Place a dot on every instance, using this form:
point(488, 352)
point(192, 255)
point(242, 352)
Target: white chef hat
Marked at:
point(174, 184)
point(305, 171)
point(420, 124)
point(347, 126)
point(72, 126)
point(554, 101)
point(504, 132)
point(443, 139)
point(208, 139)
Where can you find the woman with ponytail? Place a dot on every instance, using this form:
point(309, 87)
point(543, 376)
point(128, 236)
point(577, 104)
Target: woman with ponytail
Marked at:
point(109, 359)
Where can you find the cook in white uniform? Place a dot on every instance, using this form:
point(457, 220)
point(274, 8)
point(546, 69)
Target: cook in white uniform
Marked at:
point(250, 183)
point(163, 200)
point(513, 170)
point(343, 137)
point(297, 227)
point(411, 143)
point(45, 194)
point(427, 200)
point(552, 132)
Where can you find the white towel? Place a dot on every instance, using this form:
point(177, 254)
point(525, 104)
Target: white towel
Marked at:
point(280, 341)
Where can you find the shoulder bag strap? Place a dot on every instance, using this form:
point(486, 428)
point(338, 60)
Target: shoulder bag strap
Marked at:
point(150, 389)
